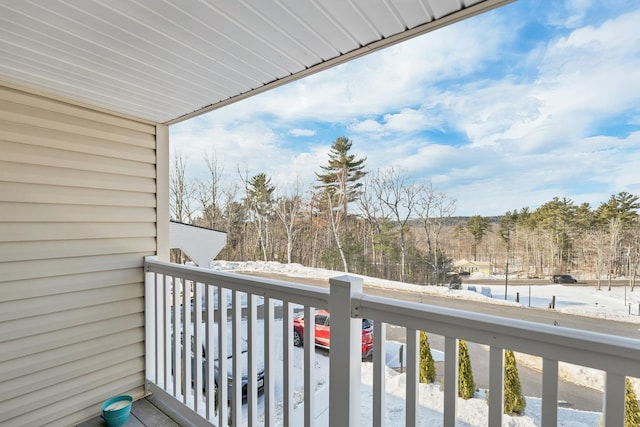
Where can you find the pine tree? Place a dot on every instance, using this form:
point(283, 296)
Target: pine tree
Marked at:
point(632, 411)
point(340, 184)
point(260, 202)
point(342, 175)
point(514, 401)
point(466, 385)
point(478, 226)
point(427, 365)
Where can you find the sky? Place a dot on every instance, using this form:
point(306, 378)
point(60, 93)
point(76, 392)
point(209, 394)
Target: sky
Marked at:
point(585, 301)
point(534, 100)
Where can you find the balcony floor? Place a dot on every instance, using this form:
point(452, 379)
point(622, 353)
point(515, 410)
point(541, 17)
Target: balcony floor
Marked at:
point(143, 413)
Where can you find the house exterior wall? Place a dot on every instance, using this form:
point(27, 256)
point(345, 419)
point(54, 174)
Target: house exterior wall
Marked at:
point(483, 267)
point(78, 212)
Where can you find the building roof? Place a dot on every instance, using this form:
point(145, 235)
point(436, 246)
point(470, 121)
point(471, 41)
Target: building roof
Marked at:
point(463, 262)
point(165, 61)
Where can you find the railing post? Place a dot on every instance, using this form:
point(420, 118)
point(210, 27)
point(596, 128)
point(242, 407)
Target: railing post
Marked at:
point(496, 385)
point(614, 400)
point(149, 322)
point(345, 357)
point(549, 409)
point(450, 380)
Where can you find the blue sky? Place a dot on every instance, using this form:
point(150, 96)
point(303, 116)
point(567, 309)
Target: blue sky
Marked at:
point(536, 99)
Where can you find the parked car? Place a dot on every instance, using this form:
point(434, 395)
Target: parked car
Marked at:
point(454, 281)
point(244, 361)
point(563, 278)
point(323, 332)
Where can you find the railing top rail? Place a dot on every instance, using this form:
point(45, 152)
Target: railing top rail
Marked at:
point(591, 349)
point(313, 296)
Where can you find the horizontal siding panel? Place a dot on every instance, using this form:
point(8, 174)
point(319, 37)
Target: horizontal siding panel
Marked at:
point(48, 138)
point(49, 395)
point(45, 342)
point(20, 367)
point(38, 315)
point(36, 193)
point(20, 251)
point(41, 117)
point(16, 152)
point(26, 232)
point(39, 380)
point(34, 288)
point(35, 212)
point(23, 270)
point(74, 110)
point(38, 174)
point(77, 217)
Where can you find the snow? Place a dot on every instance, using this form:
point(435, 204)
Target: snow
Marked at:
point(616, 304)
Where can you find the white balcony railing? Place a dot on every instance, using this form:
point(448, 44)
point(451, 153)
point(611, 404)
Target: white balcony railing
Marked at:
point(261, 311)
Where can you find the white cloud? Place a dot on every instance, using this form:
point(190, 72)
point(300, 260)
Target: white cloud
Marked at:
point(384, 81)
point(367, 126)
point(531, 136)
point(302, 132)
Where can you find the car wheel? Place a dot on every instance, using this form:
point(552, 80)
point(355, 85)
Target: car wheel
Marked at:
point(297, 338)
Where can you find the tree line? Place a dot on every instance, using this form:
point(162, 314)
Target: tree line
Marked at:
point(387, 224)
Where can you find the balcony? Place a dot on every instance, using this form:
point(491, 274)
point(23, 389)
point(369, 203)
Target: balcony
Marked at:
point(262, 311)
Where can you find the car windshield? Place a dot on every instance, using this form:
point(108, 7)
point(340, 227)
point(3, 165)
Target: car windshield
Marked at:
point(244, 346)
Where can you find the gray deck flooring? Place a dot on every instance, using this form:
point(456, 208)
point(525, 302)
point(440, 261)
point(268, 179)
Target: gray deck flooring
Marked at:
point(143, 414)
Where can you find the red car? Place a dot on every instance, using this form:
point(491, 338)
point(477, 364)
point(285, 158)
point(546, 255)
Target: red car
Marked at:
point(323, 332)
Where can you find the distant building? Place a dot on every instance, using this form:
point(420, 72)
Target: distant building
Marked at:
point(463, 265)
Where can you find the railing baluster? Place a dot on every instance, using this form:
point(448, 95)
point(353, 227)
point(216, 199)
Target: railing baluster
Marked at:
point(269, 363)
point(197, 346)
point(157, 322)
point(450, 380)
point(166, 287)
point(379, 372)
point(549, 410)
point(496, 385)
point(309, 365)
point(252, 360)
point(187, 350)
point(209, 353)
point(177, 330)
point(411, 401)
point(222, 356)
point(614, 400)
point(236, 362)
point(287, 345)
point(151, 281)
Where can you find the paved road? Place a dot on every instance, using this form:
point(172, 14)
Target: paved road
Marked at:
point(548, 317)
point(570, 395)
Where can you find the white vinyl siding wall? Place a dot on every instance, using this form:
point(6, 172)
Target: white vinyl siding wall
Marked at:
point(77, 216)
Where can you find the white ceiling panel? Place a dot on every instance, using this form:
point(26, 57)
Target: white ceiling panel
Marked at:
point(165, 61)
point(415, 13)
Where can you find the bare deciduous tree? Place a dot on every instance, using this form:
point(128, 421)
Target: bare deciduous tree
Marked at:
point(615, 237)
point(434, 209)
point(181, 191)
point(287, 209)
point(399, 195)
point(210, 193)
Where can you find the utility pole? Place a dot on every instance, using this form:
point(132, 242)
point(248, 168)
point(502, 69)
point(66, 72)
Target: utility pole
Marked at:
point(506, 280)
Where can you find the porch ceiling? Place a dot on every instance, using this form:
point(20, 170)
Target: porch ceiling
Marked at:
point(166, 61)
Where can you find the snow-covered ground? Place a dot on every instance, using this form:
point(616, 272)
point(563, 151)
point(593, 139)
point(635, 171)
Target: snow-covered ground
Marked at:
point(615, 304)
